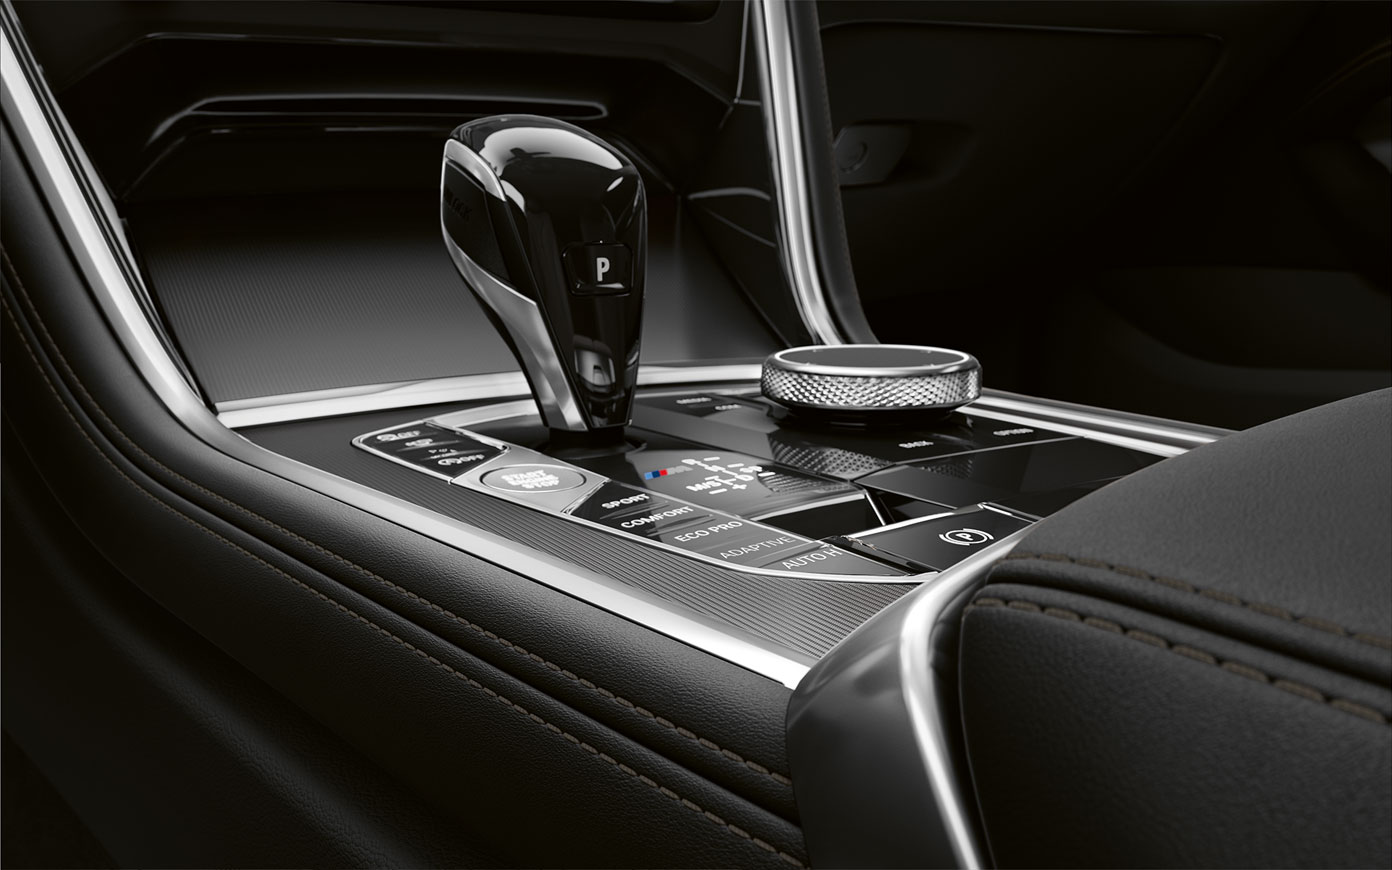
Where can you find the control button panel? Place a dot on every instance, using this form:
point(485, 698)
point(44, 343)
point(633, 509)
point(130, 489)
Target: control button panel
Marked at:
point(687, 503)
point(735, 483)
point(938, 543)
point(442, 452)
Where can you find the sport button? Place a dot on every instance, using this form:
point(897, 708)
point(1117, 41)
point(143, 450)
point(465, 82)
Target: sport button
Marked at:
point(629, 509)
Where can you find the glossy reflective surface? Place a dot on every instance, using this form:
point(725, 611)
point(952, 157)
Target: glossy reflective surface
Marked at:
point(558, 216)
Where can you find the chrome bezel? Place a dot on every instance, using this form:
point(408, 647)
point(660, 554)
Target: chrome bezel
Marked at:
point(964, 362)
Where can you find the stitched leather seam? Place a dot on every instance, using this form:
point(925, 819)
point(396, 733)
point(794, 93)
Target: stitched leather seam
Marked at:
point(1213, 594)
point(1308, 692)
point(507, 702)
point(619, 700)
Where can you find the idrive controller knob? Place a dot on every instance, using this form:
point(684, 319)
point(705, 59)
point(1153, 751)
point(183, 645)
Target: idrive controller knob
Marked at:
point(870, 383)
point(547, 224)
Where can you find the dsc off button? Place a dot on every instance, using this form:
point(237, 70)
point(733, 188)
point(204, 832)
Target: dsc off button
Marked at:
point(524, 479)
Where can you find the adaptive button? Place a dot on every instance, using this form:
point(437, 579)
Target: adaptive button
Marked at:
point(597, 269)
point(823, 558)
point(533, 479)
point(942, 542)
point(739, 542)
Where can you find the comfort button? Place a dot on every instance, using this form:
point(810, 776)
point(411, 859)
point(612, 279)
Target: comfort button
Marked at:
point(637, 511)
point(533, 478)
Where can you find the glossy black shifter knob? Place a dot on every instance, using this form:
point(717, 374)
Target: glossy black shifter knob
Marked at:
point(548, 226)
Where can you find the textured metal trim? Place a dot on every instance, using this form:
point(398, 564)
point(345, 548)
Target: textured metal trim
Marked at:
point(873, 393)
point(859, 388)
point(783, 126)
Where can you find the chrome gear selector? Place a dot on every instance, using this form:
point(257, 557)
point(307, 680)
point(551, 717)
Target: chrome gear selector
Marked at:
point(547, 224)
point(870, 383)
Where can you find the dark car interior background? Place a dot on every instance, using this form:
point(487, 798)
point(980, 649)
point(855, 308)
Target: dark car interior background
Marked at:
point(294, 573)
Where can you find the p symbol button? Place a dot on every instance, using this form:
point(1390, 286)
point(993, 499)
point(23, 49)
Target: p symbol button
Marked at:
point(598, 269)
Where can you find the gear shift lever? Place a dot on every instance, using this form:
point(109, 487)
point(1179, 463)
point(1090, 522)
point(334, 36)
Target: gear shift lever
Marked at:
point(547, 224)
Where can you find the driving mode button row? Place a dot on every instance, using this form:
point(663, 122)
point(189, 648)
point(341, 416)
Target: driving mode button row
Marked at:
point(736, 542)
point(629, 509)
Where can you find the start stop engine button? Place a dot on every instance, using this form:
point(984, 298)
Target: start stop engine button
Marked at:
point(524, 479)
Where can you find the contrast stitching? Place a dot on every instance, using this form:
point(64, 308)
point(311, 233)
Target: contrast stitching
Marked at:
point(1244, 670)
point(507, 702)
point(1214, 594)
point(711, 745)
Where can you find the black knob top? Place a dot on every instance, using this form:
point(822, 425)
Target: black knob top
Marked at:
point(547, 223)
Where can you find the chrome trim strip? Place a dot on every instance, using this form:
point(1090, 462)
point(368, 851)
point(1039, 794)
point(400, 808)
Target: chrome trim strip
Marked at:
point(1145, 446)
point(919, 684)
point(288, 407)
point(779, 359)
point(102, 269)
point(1171, 432)
point(783, 125)
point(22, 63)
point(528, 335)
point(913, 521)
point(475, 166)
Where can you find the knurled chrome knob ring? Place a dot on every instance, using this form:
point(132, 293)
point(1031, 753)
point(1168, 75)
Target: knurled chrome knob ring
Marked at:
point(869, 381)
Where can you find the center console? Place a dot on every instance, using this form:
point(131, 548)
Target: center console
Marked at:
point(851, 463)
point(718, 477)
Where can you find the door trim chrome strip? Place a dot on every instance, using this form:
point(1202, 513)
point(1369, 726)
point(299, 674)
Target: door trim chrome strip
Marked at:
point(783, 127)
point(100, 263)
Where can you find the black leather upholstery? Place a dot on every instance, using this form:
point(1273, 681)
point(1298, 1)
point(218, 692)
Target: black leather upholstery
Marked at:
point(1191, 667)
point(546, 731)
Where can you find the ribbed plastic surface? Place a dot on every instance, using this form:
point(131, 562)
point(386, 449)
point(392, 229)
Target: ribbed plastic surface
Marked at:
point(807, 616)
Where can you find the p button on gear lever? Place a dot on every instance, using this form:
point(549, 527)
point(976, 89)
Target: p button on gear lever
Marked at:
point(599, 269)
